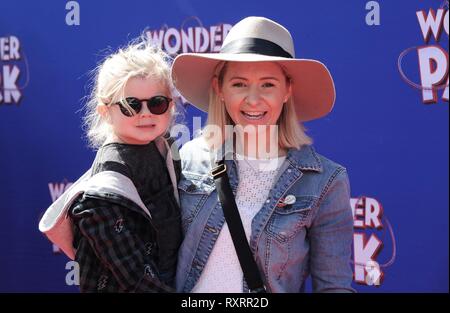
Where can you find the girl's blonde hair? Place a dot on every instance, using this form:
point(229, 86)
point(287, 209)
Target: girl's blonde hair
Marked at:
point(138, 59)
point(291, 133)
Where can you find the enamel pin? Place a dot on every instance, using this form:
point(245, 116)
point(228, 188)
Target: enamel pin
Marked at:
point(290, 199)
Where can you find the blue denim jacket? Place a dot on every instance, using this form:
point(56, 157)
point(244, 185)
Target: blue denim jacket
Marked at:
point(311, 236)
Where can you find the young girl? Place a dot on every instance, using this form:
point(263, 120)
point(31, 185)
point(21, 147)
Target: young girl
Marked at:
point(120, 221)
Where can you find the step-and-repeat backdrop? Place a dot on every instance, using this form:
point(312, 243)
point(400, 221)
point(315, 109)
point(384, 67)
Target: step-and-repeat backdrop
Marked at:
point(389, 127)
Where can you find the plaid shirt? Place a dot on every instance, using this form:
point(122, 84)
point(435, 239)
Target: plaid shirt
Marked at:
point(116, 246)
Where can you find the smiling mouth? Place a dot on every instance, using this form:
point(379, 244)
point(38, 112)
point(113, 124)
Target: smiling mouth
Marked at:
point(254, 115)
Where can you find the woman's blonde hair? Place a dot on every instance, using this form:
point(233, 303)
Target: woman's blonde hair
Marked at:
point(138, 59)
point(291, 133)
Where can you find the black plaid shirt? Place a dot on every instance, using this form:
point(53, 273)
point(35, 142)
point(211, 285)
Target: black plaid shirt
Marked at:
point(120, 248)
point(115, 247)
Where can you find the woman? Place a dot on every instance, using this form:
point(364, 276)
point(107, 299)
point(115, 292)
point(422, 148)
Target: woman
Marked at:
point(294, 203)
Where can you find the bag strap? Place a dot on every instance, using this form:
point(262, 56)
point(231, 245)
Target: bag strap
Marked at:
point(248, 264)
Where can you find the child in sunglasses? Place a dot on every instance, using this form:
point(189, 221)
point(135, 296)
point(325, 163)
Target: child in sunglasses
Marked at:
point(121, 220)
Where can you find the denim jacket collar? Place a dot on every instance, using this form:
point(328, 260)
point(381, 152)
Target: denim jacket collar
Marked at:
point(305, 159)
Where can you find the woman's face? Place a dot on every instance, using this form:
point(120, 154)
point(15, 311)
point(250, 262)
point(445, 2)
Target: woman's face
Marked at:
point(254, 92)
point(143, 127)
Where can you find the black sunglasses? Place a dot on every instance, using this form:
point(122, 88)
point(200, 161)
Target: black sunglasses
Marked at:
point(156, 105)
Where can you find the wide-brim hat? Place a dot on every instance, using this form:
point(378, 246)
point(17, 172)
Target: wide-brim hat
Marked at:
point(258, 39)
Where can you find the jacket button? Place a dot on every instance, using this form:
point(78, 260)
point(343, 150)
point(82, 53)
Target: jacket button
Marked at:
point(148, 248)
point(118, 226)
point(148, 270)
point(102, 281)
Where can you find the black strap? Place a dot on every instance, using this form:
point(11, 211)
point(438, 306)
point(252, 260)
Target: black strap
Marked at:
point(255, 45)
point(251, 273)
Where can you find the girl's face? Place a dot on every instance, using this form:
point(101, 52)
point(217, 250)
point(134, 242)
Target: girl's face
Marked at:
point(144, 127)
point(253, 92)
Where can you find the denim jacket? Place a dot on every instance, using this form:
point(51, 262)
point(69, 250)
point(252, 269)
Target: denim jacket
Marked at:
point(311, 236)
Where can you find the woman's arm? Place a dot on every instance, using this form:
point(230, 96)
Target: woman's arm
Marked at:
point(331, 236)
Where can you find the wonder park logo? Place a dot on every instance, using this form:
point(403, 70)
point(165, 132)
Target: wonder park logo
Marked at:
point(196, 38)
point(12, 62)
point(432, 56)
point(369, 238)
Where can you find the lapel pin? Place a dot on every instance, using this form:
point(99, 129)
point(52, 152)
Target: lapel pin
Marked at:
point(290, 199)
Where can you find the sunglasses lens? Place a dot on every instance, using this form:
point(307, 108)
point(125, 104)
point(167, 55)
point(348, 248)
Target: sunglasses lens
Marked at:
point(158, 104)
point(135, 104)
point(124, 110)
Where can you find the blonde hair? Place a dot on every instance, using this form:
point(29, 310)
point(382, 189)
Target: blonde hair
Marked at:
point(138, 59)
point(291, 133)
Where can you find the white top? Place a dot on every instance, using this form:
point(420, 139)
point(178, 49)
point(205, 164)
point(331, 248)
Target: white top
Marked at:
point(223, 273)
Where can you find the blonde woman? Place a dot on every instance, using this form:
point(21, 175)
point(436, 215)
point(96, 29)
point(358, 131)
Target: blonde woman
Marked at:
point(293, 203)
point(121, 220)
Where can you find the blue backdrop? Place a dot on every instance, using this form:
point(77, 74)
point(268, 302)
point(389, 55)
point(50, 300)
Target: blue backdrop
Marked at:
point(391, 136)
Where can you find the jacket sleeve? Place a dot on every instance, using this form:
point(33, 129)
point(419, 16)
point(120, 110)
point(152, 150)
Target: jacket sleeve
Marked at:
point(331, 236)
point(118, 248)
